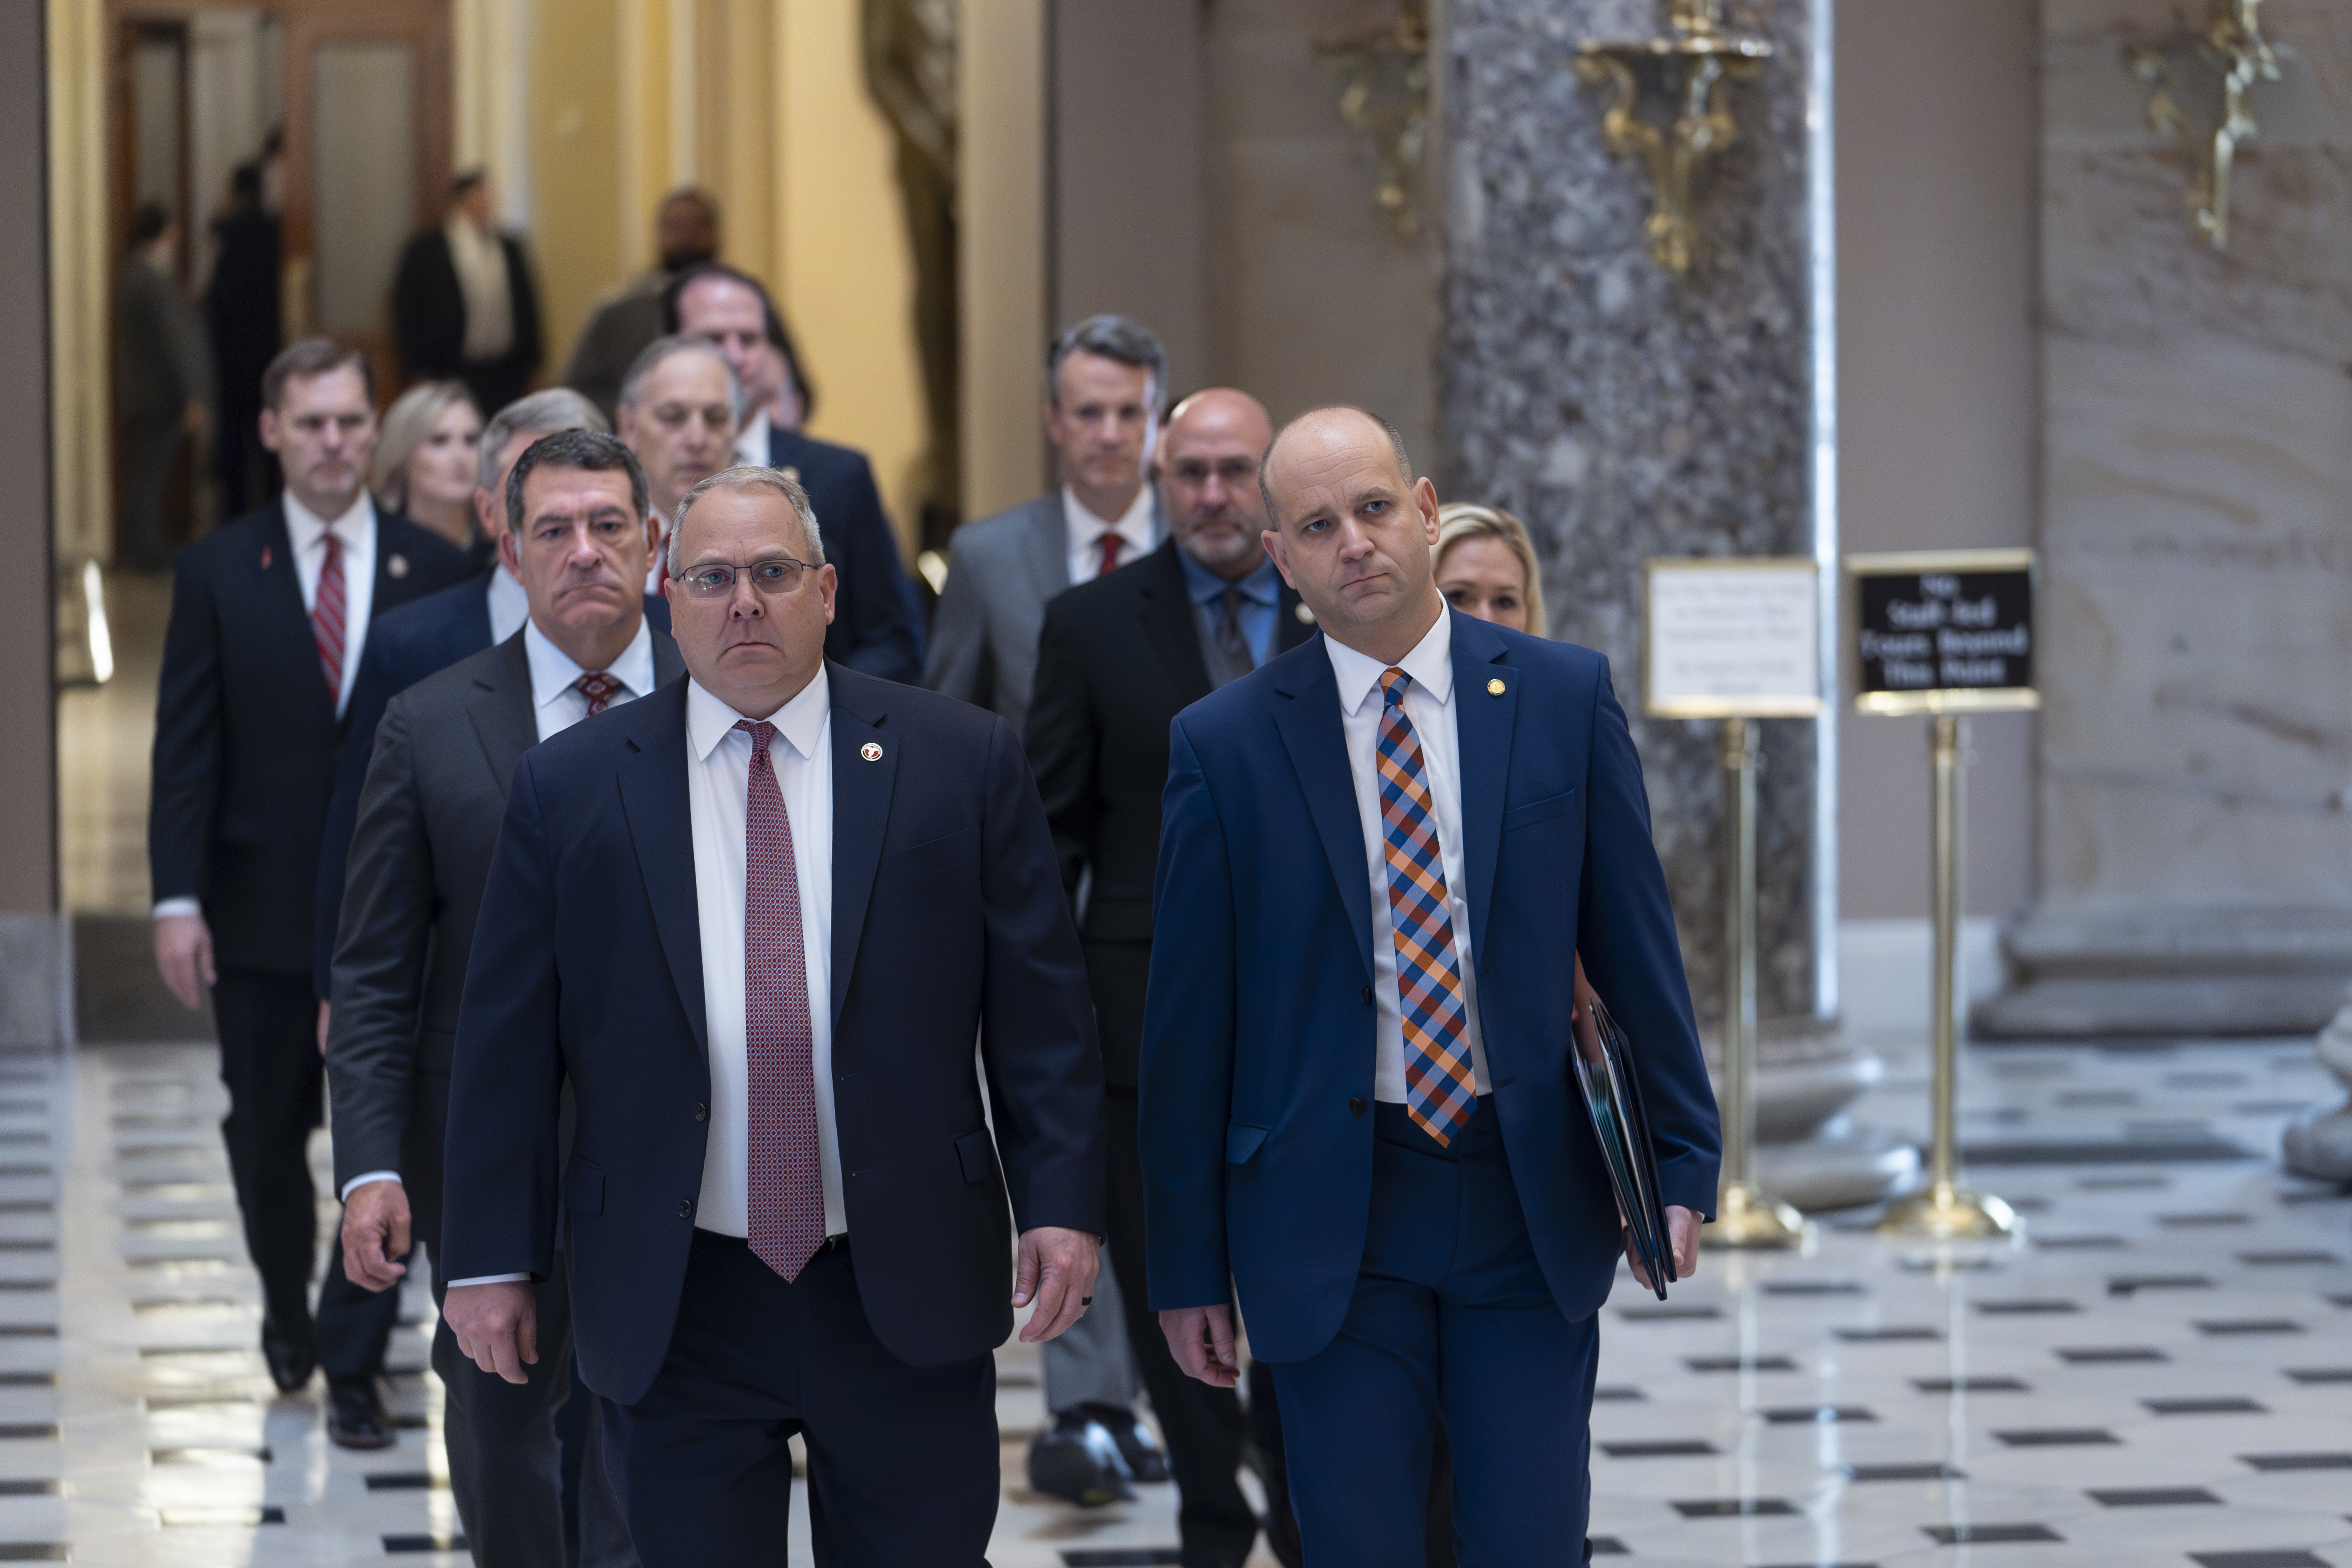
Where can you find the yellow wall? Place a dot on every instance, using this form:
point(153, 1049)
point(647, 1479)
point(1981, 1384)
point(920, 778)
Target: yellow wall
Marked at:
point(574, 144)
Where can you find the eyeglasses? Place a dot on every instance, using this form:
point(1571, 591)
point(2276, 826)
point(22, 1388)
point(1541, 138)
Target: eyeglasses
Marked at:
point(776, 575)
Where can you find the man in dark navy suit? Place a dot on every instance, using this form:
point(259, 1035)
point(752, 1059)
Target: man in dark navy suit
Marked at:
point(786, 1212)
point(1379, 854)
point(879, 624)
point(271, 617)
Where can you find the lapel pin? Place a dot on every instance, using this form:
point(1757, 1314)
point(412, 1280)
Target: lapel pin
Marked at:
point(1495, 687)
point(1305, 617)
point(265, 558)
point(397, 566)
point(871, 751)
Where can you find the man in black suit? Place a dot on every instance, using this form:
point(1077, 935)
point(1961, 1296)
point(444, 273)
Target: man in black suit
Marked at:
point(1118, 658)
point(242, 307)
point(428, 824)
point(786, 1211)
point(463, 305)
point(879, 626)
point(269, 616)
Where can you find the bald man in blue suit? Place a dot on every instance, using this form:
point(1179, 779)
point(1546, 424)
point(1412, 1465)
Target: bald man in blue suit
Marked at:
point(1382, 853)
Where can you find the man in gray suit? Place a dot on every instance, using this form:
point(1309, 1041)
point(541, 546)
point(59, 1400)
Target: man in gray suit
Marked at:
point(582, 537)
point(1106, 389)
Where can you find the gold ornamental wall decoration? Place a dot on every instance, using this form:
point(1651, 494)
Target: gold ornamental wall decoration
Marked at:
point(1707, 58)
point(1384, 96)
point(2233, 48)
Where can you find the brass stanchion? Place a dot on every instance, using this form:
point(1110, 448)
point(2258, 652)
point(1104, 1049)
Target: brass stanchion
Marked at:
point(1745, 1214)
point(1944, 1211)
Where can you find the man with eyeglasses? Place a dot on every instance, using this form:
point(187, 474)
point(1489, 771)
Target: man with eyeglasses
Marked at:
point(582, 539)
point(786, 1209)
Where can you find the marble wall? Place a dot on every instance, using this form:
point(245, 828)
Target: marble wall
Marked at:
point(2195, 765)
point(1625, 413)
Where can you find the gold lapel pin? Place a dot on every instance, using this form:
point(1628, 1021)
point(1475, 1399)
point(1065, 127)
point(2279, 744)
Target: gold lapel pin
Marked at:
point(397, 566)
point(871, 751)
point(1305, 617)
point(1495, 687)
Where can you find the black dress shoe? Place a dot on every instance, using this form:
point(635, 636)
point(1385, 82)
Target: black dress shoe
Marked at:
point(1078, 1461)
point(355, 1414)
point(292, 1358)
point(1137, 1445)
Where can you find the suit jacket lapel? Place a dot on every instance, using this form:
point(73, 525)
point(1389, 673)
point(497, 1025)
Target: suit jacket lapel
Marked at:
point(1169, 622)
point(506, 719)
point(661, 828)
point(1306, 712)
point(1484, 720)
point(861, 810)
point(1045, 548)
point(668, 663)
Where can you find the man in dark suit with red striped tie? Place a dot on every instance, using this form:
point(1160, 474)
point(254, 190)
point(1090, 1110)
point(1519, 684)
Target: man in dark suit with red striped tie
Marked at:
point(269, 618)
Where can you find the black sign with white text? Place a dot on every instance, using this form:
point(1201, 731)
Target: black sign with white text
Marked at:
point(1946, 631)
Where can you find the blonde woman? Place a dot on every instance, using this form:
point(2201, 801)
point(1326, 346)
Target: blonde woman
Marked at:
point(1486, 566)
point(428, 462)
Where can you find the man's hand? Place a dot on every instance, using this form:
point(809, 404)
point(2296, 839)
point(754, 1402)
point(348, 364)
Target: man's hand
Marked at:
point(376, 1235)
point(496, 1327)
point(1057, 1269)
point(326, 1016)
point(1681, 1234)
point(184, 954)
point(1202, 1341)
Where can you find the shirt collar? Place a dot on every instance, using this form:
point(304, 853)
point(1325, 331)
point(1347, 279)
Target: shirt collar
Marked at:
point(1430, 665)
point(1260, 587)
point(554, 673)
point(305, 528)
point(1134, 525)
point(801, 721)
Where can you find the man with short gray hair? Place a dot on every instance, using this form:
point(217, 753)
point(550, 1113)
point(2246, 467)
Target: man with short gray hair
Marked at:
point(681, 405)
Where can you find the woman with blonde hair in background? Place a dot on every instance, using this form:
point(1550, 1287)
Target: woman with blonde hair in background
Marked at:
point(1486, 566)
point(428, 463)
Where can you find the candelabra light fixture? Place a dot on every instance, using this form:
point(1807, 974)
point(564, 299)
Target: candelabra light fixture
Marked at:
point(1384, 95)
point(2233, 48)
point(1705, 57)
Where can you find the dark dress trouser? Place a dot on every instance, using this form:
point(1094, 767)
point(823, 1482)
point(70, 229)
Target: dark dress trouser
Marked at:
point(269, 1061)
point(1202, 1425)
point(902, 1460)
point(1449, 1280)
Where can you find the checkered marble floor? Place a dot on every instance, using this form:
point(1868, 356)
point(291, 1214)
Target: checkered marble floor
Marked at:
point(2159, 1372)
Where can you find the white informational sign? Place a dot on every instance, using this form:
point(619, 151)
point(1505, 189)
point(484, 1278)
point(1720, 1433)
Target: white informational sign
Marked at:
point(1734, 636)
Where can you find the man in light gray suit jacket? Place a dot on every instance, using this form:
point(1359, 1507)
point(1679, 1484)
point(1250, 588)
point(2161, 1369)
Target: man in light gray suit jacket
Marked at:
point(1106, 390)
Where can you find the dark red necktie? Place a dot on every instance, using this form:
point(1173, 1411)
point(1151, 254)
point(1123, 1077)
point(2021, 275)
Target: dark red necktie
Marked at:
point(598, 688)
point(1110, 547)
point(327, 617)
point(787, 1199)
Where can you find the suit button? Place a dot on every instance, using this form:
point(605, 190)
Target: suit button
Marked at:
point(1365, 995)
point(702, 1114)
point(685, 1209)
point(1355, 1105)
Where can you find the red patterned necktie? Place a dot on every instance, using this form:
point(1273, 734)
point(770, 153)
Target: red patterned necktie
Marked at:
point(1110, 548)
point(598, 688)
point(1439, 1092)
point(787, 1200)
point(327, 617)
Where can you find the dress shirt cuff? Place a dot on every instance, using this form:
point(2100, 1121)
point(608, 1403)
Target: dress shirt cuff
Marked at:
point(166, 908)
point(356, 1183)
point(492, 1280)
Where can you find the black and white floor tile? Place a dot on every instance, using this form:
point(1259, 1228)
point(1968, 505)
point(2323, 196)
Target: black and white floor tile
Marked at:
point(2159, 1372)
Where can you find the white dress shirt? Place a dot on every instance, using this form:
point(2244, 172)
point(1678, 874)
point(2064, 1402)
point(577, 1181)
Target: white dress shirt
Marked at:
point(510, 606)
point(751, 441)
point(1429, 703)
point(556, 700)
point(306, 534)
point(1086, 530)
point(556, 705)
point(479, 259)
point(718, 781)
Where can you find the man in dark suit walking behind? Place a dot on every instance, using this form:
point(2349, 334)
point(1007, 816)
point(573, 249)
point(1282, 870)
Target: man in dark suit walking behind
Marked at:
point(1379, 855)
point(428, 821)
point(786, 1211)
point(269, 618)
point(1119, 658)
point(463, 304)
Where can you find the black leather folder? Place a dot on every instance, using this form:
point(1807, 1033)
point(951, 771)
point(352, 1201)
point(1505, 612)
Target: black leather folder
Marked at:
point(1612, 1101)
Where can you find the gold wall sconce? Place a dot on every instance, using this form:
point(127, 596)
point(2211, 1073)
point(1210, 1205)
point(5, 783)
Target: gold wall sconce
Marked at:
point(1702, 127)
point(1384, 95)
point(2233, 48)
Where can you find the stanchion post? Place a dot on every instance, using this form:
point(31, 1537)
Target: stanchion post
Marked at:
point(1944, 1212)
point(1745, 1216)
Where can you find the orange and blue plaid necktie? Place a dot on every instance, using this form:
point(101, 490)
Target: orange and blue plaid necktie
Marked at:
point(1439, 1092)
